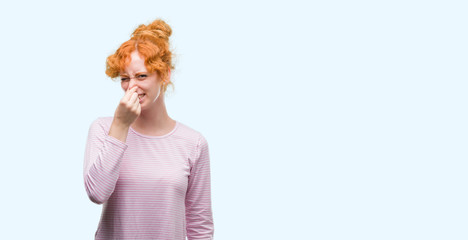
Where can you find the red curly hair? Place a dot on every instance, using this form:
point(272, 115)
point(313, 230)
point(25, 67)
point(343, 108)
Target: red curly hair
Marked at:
point(152, 43)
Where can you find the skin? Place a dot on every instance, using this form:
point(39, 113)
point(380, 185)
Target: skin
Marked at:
point(148, 117)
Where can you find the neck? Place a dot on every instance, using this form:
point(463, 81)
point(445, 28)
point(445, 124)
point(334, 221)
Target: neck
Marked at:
point(154, 118)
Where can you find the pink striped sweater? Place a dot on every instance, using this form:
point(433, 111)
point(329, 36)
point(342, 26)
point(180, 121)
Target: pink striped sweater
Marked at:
point(151, 187)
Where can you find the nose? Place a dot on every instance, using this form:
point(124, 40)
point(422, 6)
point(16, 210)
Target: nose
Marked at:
point(131, 83)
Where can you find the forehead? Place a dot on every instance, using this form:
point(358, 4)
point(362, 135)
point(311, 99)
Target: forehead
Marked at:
point(136, 64)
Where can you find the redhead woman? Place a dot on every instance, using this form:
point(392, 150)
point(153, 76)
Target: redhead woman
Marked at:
point(151, 173)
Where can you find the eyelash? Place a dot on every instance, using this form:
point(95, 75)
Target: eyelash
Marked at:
point(139, 76)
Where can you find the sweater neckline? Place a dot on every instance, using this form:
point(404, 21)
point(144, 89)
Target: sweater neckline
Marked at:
point(161, 136)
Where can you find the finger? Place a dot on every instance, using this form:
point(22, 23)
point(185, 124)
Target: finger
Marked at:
point(137, 99)
point(136, 104)
point(133, 98)
point(131, 90)
point(139, 109)
point(129, 93)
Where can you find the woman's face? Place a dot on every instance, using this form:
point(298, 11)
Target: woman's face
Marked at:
point(136, 74)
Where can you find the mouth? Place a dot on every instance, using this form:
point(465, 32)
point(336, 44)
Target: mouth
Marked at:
point(141, 96)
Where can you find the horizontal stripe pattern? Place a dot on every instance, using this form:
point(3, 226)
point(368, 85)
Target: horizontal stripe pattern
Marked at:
point(150, 187)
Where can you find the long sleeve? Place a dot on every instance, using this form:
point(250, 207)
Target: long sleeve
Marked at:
point(199, 216)
point(102, 160)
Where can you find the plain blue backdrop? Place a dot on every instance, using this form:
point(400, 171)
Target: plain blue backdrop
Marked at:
point(325, 119)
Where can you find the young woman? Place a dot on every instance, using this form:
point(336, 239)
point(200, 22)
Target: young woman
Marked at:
point(150, 172)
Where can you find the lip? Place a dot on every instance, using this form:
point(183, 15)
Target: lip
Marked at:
point(141, 99)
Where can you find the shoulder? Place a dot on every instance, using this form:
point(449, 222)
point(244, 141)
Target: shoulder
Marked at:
point(192, 137)
point(188, 133)
point(101, 122)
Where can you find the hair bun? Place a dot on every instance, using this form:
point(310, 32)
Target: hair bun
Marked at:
point(157, 29)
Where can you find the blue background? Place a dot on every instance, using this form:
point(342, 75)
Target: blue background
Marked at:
point(325, 119)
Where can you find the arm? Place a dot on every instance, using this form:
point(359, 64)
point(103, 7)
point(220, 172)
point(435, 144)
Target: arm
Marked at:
point(103, 155)
point(198, 210)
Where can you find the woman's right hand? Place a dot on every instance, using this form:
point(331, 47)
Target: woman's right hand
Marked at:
point(129, 108)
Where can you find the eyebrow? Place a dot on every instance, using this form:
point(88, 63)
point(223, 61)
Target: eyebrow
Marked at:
point(124, 74)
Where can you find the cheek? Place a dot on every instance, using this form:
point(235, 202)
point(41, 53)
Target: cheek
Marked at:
point(124, 85)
